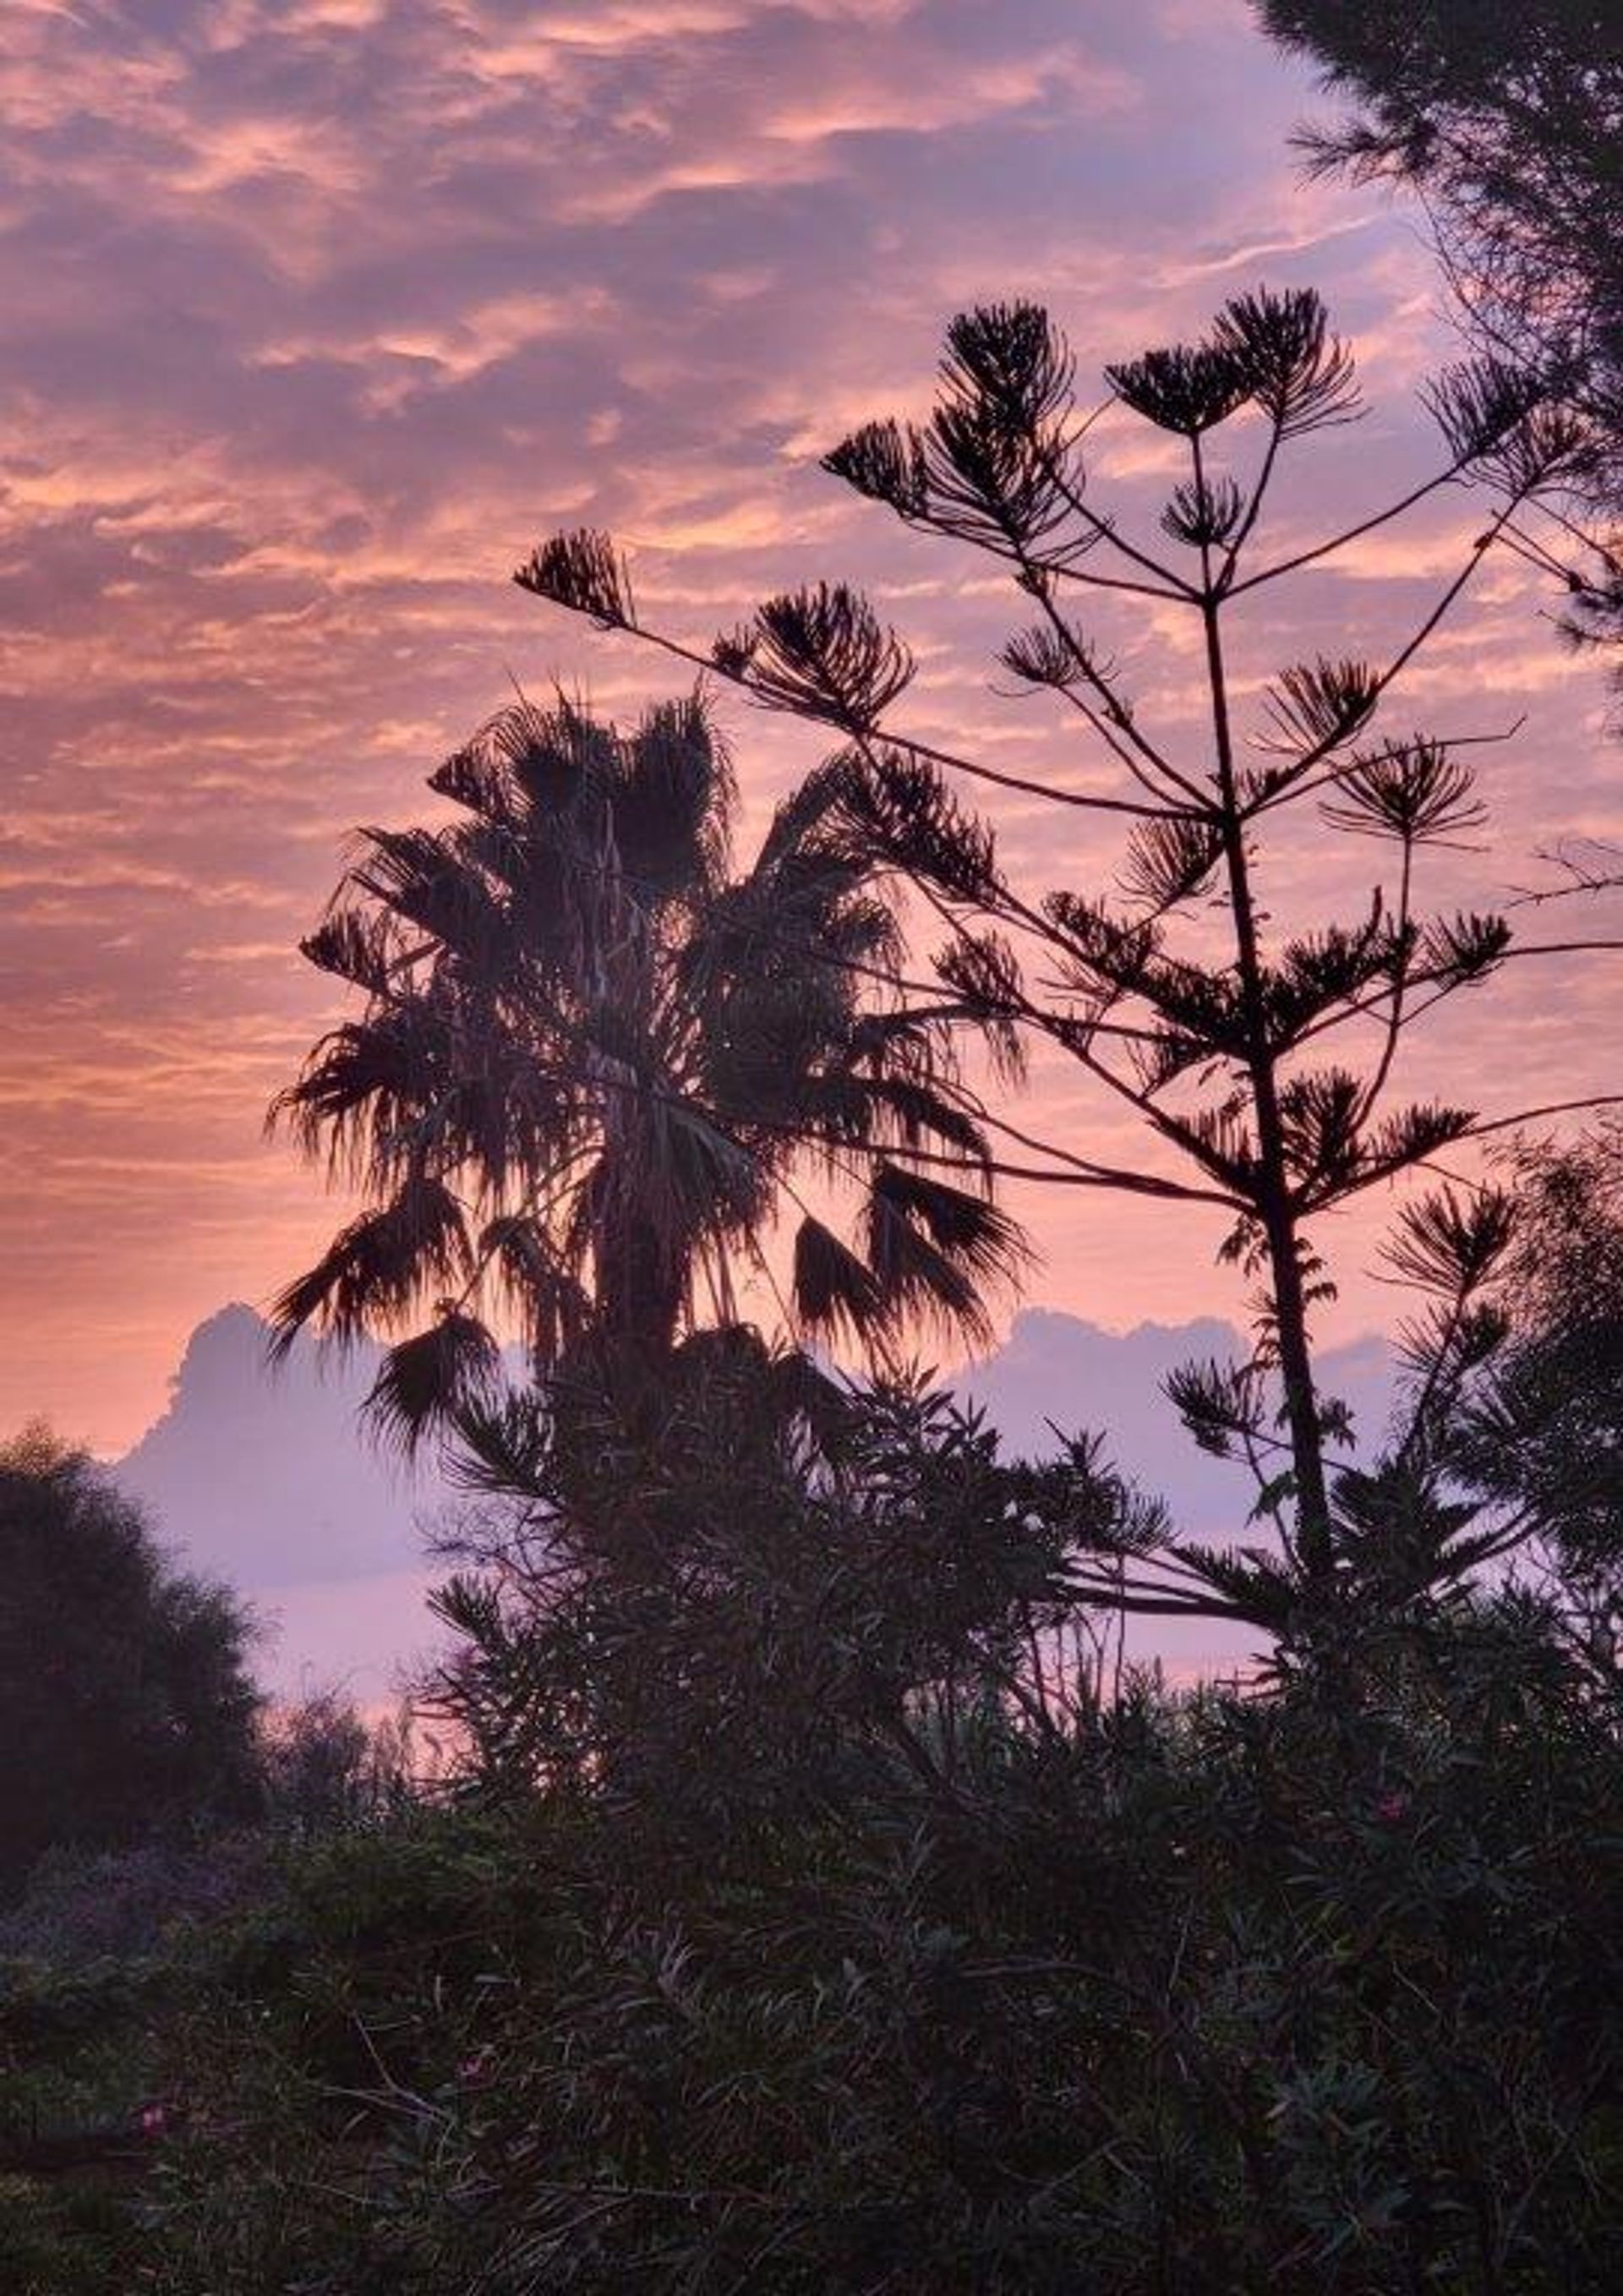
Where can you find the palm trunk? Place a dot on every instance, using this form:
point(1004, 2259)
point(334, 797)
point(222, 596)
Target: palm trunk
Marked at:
point(640, 1277)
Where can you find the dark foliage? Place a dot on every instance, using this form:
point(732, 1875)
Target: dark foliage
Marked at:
point(826, 1931)
point(125, 1704)
point(1508, 121)
point(748, 1575)
point(1540, 1433)
point(593, 1061)
point(1260, 1064)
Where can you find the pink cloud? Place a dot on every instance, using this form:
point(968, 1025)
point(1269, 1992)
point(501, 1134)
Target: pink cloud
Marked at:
point(319, 312)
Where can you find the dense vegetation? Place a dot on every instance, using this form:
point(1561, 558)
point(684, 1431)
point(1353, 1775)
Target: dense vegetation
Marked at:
point(1507, 119)
point(816, 1902)
point(124, 1694)
point(820, 1910)
point(1506, 123)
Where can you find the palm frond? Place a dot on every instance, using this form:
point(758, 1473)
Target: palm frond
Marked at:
point(421, 875)
point(426, 1382)
point(672, 802)
point(553, 1304)
point(836, 1293)
point(379, 1265)
point(369, 1088)
point(980, 1245)
point(902, 1110)
point(361, 949)
point(522, 753)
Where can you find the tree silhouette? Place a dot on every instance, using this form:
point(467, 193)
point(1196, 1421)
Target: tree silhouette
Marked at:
point(1508, 123)
point(1246, 1068)
point(592, 1062)
point(1539, 1429)
point(124, 1701)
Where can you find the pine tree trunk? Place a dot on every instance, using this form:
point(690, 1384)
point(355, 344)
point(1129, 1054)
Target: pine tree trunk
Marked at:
point(1273, 1206)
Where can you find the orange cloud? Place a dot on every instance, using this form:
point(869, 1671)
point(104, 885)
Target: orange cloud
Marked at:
point(317, 313)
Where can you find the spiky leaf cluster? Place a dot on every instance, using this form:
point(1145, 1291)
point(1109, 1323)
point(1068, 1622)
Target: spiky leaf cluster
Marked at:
point(1315, 707)
point(824, 654)
point(1203, 512)
point(903, 813)
point(993, 463)
point(1417, 791)
point(1187, 389)
point(584, 571)
point(1298, 373)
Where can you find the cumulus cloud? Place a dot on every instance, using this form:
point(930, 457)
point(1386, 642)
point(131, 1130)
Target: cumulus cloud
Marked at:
point(264, 1480)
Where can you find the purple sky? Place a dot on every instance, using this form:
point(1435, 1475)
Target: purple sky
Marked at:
point(319, 313)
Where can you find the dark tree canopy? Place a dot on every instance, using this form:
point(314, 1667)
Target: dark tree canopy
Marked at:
point(1509, 114)
point(812, 1926)
point(1506, 117)
point(124, 1699)
point(596, 1063)
point(1541, 1431)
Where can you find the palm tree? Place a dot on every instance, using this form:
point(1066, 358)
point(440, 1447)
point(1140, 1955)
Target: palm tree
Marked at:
point(593, 1063)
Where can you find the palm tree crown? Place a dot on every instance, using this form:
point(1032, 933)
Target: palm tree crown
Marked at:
point(592, 1058)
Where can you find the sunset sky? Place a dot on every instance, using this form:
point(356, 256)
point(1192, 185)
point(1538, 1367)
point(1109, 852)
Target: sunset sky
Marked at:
point(319, 314)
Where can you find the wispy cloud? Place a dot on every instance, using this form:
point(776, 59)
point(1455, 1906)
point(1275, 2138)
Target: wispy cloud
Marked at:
point(317, 313)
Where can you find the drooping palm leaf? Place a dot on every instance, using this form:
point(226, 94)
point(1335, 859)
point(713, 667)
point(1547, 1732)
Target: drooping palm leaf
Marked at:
point(590, 1056)
point(425, 1381)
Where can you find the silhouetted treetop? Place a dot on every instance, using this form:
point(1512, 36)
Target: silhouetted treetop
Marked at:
point(125, 1701)
point(1227, 1061)
point(596, 1061)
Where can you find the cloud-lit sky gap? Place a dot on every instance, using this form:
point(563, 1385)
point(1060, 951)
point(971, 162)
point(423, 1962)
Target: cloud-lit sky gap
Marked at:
point(319, 313)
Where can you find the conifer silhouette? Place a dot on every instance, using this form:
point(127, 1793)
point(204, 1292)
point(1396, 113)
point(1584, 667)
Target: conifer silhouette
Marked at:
point(1263, 1075)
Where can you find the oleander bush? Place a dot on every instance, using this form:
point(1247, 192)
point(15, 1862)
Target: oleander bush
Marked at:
point(814, 1916)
